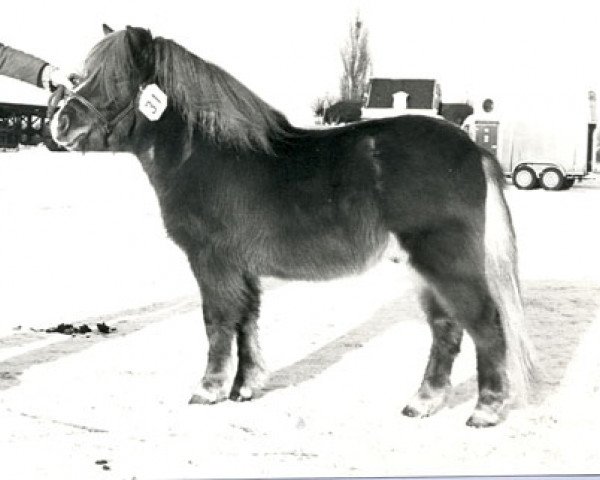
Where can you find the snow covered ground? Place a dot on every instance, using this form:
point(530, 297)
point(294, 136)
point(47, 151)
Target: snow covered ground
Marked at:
point(81, 236)
point(81, 240)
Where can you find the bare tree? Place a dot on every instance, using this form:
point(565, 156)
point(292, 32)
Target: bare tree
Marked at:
point(356, 61)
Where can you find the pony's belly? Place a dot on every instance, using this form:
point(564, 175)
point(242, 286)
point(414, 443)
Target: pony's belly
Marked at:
point(327, 258)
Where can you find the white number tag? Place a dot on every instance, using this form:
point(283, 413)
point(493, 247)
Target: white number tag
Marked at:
point(153, 102)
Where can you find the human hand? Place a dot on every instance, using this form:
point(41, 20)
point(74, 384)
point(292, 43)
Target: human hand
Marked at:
point(53, 77)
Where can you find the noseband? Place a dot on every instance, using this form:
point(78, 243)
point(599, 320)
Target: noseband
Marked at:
point(107, 124)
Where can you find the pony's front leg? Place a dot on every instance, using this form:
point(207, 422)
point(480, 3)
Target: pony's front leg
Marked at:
point(230, 304)
point(219, 321)
point(251, 371)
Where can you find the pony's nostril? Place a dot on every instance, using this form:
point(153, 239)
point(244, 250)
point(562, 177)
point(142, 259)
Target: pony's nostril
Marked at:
point(63, 123)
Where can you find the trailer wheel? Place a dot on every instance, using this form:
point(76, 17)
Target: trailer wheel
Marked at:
point(552, 179)
point(524, 178)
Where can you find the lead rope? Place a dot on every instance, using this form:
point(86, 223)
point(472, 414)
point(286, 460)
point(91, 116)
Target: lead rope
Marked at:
point(54, 100)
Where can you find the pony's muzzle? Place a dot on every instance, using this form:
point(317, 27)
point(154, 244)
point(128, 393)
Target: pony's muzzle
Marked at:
point(59, 127)
point(65, 130)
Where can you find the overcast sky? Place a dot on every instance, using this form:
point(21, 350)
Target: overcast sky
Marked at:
point(288, 51)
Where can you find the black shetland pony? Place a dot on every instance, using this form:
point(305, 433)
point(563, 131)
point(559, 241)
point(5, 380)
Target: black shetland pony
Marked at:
point(245, 195)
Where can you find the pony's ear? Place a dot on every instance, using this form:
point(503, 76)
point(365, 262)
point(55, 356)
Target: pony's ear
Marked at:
point(106, 29)
point(141, 45)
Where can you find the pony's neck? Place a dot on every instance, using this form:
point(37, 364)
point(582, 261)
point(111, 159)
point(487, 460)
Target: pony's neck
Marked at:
point(152, 138)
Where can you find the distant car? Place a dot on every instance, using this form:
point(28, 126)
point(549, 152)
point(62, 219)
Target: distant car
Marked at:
point(344, 111)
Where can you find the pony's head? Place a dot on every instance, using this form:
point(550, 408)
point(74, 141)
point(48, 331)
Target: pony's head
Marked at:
point(99, 113)
point(103, 110)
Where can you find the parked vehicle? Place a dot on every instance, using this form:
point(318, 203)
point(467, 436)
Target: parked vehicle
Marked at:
point(344, 111)
point(548, 143)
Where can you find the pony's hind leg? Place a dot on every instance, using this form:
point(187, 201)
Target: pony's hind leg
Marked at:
point(446, 338)
point(452, 261)
point(470, 304)
point(230, 303)
point(492, 372)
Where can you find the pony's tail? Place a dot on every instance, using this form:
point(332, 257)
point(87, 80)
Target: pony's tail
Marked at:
point(501, 272)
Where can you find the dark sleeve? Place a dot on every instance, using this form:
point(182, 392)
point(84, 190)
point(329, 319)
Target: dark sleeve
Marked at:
point(22, 66)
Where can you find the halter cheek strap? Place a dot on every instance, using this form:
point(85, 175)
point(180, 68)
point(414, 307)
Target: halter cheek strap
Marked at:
point(120, 116)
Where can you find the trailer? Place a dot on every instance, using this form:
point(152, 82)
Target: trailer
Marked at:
point(24, 124)
point(542, 141)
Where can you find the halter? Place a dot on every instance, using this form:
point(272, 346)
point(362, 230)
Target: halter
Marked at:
point(107, 124)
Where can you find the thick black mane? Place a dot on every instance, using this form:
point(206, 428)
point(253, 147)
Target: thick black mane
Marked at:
point(208, 96)
point(205, 95)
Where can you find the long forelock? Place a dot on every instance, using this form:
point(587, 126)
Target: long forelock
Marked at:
point(213, 101)
point(110, 63)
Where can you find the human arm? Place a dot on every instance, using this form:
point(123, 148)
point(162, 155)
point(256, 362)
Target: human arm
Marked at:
point(30, 69)
point(21, 66)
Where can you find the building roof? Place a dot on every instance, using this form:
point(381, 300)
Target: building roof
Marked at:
point(420, 92)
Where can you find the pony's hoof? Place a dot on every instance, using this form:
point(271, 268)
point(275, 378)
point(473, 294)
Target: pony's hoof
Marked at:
point(483, 419)
point(200, 400)
point(409, 411)
point(425, 406)
point(207, 397)
point(242, 394)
